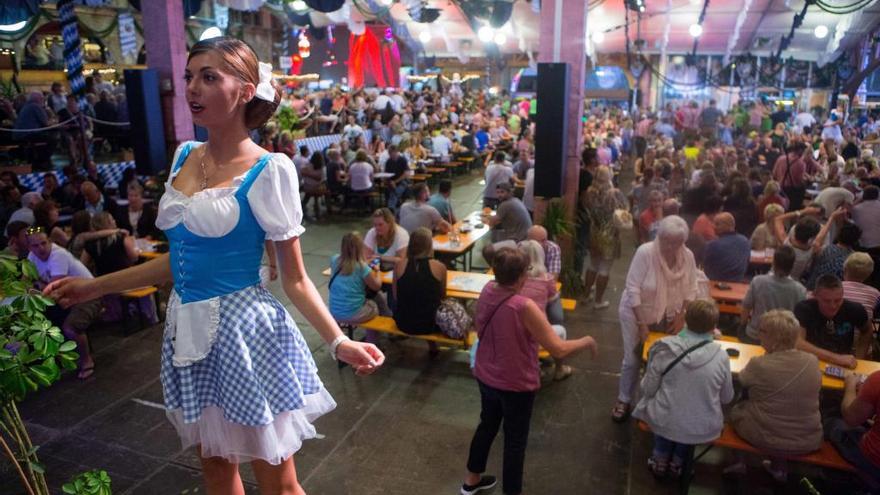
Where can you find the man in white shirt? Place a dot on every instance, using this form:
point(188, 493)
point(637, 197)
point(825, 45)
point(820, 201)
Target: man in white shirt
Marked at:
point(441, 145)
point(54, 262)
point(802, 120)
point(498, 172)
point(301, 160)
point(352, 130)
point(381, 102)
point(25, 214)
point(866, 215)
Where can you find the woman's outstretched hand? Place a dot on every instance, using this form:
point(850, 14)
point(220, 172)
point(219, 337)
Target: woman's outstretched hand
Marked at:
point(72, 290)
point(363, 357)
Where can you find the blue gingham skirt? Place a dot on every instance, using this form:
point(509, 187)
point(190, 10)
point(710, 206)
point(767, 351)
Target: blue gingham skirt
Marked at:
point(258, 369)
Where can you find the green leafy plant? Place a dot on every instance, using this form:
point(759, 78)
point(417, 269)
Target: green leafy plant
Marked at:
point(32, 354)
point(561, 230)
point(556, 220)
point(8, 89)
point(287, 119)
point(94, 482)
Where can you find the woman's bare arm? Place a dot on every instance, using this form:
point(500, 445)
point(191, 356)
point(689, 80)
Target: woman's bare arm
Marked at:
point(365, 358)
point(72, 290)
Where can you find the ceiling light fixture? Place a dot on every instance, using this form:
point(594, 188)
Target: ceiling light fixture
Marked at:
point(486, 34)
point(820, 31)
point(298, 5)
point(500, 38)
point(598, 37)
point(424, 37)
point(696, 30)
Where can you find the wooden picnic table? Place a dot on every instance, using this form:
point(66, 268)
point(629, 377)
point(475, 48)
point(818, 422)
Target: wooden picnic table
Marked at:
point(729, 300)
point(466, 285)
point(467, 240)
point(764, 257)
point(749, 351)
point(147, 248)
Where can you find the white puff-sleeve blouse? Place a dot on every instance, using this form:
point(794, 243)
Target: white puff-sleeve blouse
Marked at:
point(273, 198)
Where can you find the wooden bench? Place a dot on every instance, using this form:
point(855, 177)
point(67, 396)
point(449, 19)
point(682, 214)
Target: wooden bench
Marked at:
point(386, 324)
point(826, 457)
point(468, 162)
point(420, 177)
point(435, 170)
point(133, 294)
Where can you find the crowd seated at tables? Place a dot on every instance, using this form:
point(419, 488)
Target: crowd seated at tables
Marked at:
point(786, 204)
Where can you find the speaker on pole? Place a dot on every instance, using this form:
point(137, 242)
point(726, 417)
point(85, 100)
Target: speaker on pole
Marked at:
point(551, 129)
point(145, 115)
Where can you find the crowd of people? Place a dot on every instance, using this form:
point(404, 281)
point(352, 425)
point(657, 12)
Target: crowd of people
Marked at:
point(43, 123)
point(715, 194)
point(713, 191)
point(80, 229)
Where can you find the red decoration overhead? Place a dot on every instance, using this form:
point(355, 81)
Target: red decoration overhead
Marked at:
point(369, 55)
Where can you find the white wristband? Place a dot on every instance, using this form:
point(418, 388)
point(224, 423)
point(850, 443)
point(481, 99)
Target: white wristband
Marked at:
point(335, 345)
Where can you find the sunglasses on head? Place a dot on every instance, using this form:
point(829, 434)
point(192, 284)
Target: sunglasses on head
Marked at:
point(35, 230)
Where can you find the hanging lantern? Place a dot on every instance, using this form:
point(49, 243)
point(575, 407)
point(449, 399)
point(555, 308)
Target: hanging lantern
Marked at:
point(304, 46)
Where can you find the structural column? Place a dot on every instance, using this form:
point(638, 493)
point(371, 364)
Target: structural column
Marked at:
point(563, 40)
point(165, 41)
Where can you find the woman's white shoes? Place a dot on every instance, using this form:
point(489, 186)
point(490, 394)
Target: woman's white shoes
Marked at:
point(601, 305)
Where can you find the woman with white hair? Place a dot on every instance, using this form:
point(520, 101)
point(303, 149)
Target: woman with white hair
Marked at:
point(540, 287)
point(781, 415)
point(600, 202)
point(661, 281)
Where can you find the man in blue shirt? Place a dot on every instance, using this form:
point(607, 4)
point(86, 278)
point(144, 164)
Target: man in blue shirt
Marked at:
point(440, 201)
point(482, 139)
point(727, 257)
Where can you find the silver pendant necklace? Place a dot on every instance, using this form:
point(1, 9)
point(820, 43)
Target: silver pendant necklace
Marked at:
point(204, 184)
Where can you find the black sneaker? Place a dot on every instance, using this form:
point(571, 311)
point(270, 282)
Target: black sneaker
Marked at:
point(486, 483)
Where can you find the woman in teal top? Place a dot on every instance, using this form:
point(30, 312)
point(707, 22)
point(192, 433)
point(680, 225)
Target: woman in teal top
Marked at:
point(350, 278)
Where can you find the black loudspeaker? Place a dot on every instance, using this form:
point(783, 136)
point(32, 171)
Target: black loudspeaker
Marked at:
point(145, 114)
point(551, 129)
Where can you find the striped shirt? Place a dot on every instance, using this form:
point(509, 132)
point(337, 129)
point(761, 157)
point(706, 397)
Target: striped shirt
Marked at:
point(863, 294)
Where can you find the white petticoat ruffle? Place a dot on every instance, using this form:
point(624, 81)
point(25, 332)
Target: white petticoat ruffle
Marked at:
point(238, 443)
point(200, 319)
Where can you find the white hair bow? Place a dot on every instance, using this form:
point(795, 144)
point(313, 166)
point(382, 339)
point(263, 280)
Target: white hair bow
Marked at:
point(265, 91)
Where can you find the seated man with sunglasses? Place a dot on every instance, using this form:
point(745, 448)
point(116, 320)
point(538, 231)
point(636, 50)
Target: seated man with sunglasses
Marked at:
point(54, 262)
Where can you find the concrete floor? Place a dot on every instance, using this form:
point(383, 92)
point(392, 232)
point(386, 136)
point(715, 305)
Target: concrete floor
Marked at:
point(405, 430)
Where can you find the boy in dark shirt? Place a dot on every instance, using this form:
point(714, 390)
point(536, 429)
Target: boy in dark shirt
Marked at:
point(829, 324)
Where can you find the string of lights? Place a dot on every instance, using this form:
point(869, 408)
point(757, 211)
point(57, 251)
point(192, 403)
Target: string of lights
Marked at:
point(842, 9)
point(798, 20)
point(698, 30)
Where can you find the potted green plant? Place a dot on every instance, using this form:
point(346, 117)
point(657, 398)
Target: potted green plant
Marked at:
point(33, 352)
point(94, 482)
point(561, 230)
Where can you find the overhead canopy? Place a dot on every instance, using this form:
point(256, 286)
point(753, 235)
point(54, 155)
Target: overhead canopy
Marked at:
point(15, 11)
point(730, 27)
point(762, 25)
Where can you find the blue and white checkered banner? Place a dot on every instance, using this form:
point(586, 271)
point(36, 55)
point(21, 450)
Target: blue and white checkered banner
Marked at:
point(127, 35)
point(73, 59)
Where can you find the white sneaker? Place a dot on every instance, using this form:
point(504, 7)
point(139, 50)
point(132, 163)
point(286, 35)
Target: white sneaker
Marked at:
point(780, 475)
point(738, 468)
point(601, 305)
